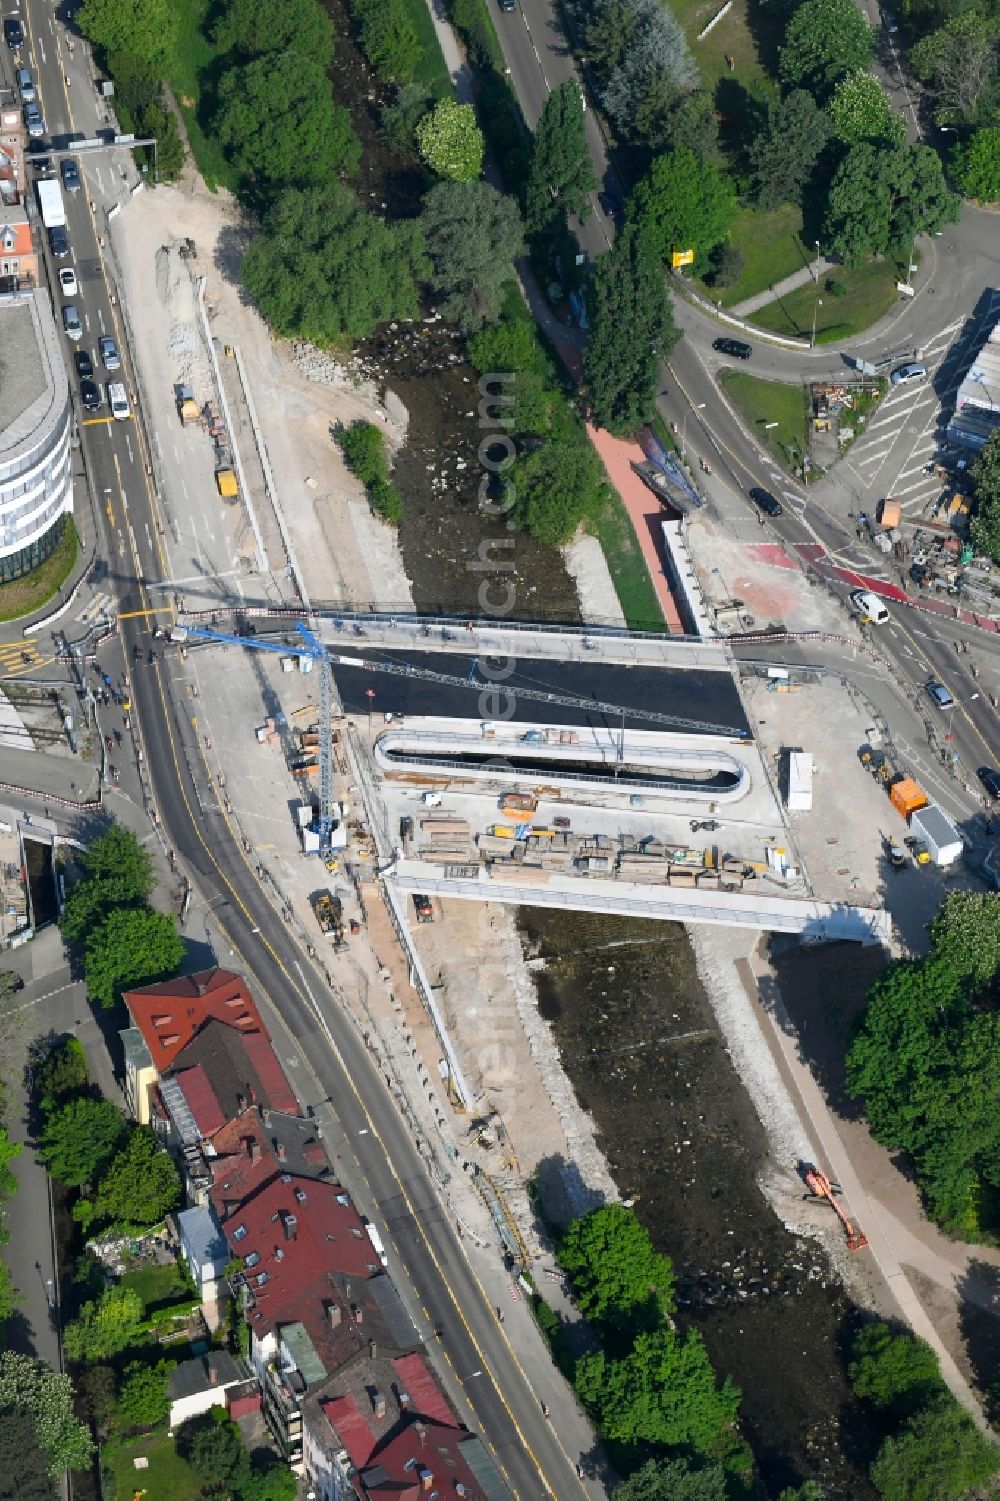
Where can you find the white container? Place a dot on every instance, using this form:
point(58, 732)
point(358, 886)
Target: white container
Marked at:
point(938, 833)
point(800, 782)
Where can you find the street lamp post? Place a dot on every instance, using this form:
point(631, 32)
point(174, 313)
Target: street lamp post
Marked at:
point(816, 307)
point(816, 270)
point(959, 704)
point(698, 407)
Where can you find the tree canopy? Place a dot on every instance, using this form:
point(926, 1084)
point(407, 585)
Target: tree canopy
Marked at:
point(561, 172)
point(472, 234)
point(450, 141)
point(323, 268)
point(63, 1071)
point(881, 196)
point(825, 40)
point(29, 1386)
point(895, 1371)
point(557, 486)
point(24, 1474)
point(615, 1271)
point(643, 43)
point(143, 1398)
point(986, 477)
point(685, 204)
point(130, 946)
point(141, 1184)
point(253, 30)
point(860, 110)
point(80, 1138)
point(632, 332)
point(784, 151)
point(975, 165)
point(674, 1480)
point(388, 38)
point(147, 28)
point(960, 63)
point(940, 1455)
point(277, 122)
point(106, 1326)
point(117, 872)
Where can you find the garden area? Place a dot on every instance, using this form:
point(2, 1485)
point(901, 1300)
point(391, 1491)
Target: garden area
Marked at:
point(846, 302)
point(23, 596)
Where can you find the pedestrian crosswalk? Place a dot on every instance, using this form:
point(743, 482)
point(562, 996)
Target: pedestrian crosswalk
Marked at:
point(17, 657)
point(100, 604)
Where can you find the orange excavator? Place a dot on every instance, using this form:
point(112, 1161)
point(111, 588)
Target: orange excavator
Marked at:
point(820, 1187)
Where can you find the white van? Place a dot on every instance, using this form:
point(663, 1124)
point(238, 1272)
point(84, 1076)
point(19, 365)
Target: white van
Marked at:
point(870, 607)
point(118, 400)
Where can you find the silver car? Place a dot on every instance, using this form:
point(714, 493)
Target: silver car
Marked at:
point(25, 85)
point(71, 321)
point(33, 120)
point(110, 358)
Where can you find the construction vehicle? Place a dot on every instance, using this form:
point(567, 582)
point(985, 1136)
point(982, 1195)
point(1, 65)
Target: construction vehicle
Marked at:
point(423, 906)
point(821, 1188)
point(518, 802)
point(225, 482)
point(918, 850)
point(188, 409)
point(329, 910)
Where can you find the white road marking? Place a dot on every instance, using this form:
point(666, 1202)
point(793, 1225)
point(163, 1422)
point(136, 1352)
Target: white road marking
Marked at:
point(128, 445)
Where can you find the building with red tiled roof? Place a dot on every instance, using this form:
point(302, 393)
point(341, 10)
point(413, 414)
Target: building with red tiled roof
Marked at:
point(255, 1147)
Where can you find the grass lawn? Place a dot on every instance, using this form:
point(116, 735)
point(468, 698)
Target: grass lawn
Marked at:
point(772, 249)
point(158, 1286)
point(627, 566)
point(762, 401)
point(167, 1478)
point(194, 75)
point(431, 69)
point(732, 37)
point(23, 596)
point(870, 293)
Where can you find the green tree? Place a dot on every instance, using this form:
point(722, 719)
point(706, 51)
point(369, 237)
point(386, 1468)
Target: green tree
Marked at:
point(8, 1151)
point(98, 1395)
point(143, 1398)
point(364, 449)
point(104, 1327)
point(825, 40)
point(881, 196)
point(656, 49)
point(213, 1448)
point(450, 141)
point(400, 117)
point(29, 1386)
point(130, 946)
point(966, 931)
point(141, 1185)
point(117, 870)
point(615, 1271)
point(80, 1138)
point(895, 1371)
point(511, 349)
point(632, 332)
point(271, 1482)
point(939, 1456)
point(669, 118)
point(610, 34)
point(388, 38)
point(10, 1296)
point(860, 110)
point(277, 122)
point(663, 1391)
point(253, 30)
point(322, 268)
point(986, 521)
point(63, 1071)
point(472, 234)
point(147, 28)
point(674, 1480)
point(960, 62)
point(557, 486)
point(975, 165)
point(561, 172)
point(685, 204)
point(24, 1474)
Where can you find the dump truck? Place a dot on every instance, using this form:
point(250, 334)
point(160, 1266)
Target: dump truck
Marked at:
point(329, 910)
point(226, 484)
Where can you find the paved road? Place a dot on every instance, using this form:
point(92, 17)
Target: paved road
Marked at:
point(362, 1126)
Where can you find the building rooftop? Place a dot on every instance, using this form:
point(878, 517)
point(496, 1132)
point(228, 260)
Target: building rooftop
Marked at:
point(217, 1369)
point(32, 376)
point(229, 1069)
point(200, 1230)
point(257, 1146)
point(135, 1049)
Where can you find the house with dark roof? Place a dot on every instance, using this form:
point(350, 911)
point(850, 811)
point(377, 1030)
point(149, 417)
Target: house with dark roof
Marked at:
point(313, 1293)
point(382, 1428)
point(211, 1380)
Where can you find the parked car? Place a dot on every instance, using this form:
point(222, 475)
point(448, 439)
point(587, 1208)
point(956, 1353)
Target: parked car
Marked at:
point(34, 124)
point(84, 364)
point(25, 85)
point(940, 694)
point(43, 166)
point(118, 402)
point(765, 501)
point(71, 321)
point(508, 5)
point(58, 241)
point(734, 347)
point(90, 395)
point(110, 357)
point(990, 778)
point(67, 281)
point(14, 33)
point(609, 203)
point(70, 174)
point(903, 375)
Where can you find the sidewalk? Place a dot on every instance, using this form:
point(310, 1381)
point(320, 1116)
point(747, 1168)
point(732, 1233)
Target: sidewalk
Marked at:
point(812, 272)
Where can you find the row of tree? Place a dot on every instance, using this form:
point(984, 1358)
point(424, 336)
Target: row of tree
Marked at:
point(9, 1296)
point(986, 479)
point(926, 1061)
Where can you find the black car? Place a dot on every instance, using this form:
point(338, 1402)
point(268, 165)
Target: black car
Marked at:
point(765, 500)
point(43, 166)
point(610, 205)
point(990, 778)
point(70, 174)
point(90, 395)
point(84, 364)
point(14, 33)
point(58, 241)
point(734, 347)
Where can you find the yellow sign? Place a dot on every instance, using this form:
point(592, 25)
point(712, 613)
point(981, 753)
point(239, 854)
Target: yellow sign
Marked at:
point(682, 258)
